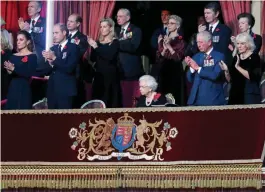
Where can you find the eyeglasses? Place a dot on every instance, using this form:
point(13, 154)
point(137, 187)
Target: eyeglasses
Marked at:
point(143, 87)
point(172, 23)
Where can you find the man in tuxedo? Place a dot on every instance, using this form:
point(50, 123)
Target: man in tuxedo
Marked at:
point(131, 67)
point(75, 36)
point(36, 26)
point(220, 33)
point(63, 60)
point(205, 73)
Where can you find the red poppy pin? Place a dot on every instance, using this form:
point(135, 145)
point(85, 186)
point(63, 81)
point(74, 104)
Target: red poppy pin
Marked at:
point(39, 21)
point(156, 97)
point(217, 29)
point(76, 39)
point(208, 57)
point(25, 59)
point(254, 36)
point(180, 37)
point(65, 47)
point(128, 29)
point(2, 52)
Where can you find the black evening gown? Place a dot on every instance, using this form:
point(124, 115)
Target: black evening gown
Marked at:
point(19, 91)
point(106, 84)
point(243, 90)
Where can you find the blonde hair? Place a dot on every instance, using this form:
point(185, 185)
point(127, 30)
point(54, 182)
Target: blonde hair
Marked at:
point(246, 38)
point(111, 23)
point(177, 19)
point(6, 42)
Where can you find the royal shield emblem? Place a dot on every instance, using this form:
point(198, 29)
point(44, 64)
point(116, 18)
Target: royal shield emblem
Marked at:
point(102, 140)
point(123, 133)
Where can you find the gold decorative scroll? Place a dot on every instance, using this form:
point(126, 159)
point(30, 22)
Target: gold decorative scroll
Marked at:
point(175, 176)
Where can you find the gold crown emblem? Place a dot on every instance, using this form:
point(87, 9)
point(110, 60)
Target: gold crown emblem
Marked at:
point(126, 121)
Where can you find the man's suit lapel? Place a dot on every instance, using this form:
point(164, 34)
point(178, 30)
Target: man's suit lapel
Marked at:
point(129, 29)
point(76, 35)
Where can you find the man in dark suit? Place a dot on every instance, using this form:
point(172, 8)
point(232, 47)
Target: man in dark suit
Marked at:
point(205, 74)
point(75, 36)
point(130, 38)
point(220, 33)
point(63, 60)
point(36, 26)
point(161, 30)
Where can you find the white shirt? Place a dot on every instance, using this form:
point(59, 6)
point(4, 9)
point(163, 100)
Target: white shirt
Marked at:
point(30, 26)
point(214, 26)
point(63, 44)
point(73, 33)
point(125, 28)
point(207, 53)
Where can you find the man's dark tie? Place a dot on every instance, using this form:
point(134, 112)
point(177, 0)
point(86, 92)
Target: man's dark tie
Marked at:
point(69, 37)
point(211, 29)
point(32, 24)
point(121, 33)
point(165, 30)
point(59, 50)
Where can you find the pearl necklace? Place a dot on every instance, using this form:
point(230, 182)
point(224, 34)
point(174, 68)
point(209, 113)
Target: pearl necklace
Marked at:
point(148, 103)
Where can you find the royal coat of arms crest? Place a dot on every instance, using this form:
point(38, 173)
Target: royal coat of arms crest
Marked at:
point(103, 140)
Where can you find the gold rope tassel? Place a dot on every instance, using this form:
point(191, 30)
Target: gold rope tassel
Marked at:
point(178, 176)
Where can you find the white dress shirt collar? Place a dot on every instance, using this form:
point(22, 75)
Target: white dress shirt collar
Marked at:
point(73, 33)
point(214, 26)
point(63, 44)
point(126, 27)
point(209, 52)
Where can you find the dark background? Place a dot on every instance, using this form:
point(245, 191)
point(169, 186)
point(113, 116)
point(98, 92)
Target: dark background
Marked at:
point(146, 15)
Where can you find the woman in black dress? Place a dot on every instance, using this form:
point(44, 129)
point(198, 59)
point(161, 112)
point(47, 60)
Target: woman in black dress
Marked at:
point(245, 73)
point(6, 52)
point(149, 97)
point(21, 67)
point(106, 84)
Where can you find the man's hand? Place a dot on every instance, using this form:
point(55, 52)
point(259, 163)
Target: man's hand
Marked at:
point(201, 28)
point(190, 62)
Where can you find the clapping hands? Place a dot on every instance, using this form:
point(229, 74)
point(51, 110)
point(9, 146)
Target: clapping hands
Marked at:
point(92, 42)
point(191, 63)
point(9, 66)
point(23, 25)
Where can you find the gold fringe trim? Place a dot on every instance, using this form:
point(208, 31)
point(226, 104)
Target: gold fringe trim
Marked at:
point(123, 110)
point(175, 176)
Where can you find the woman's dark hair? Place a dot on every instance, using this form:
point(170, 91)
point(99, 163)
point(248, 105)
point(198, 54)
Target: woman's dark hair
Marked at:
point(249, 16)
point(30, 46)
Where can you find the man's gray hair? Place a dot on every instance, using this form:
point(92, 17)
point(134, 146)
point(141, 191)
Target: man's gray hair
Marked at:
point(150, 81)
point(125, 11)
point(246, 38)
point(207, 36)
point(39, 4)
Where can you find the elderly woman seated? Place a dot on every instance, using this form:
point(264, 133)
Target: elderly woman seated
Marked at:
point(150, 98)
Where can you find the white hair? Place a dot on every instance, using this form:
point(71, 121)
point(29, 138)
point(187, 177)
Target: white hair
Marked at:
point(246, 38)
point(150, 81)
point(207, 36)
point(125, 11)
point(177, 19)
